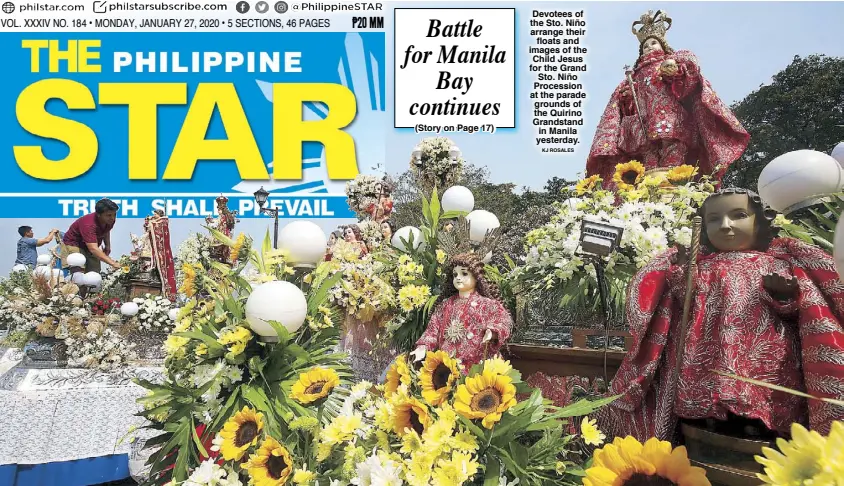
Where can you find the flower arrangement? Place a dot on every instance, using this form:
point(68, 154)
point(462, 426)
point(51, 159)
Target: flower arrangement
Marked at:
point(362, 290)
point(362, 191)
point(101, 348)
point(434, 426)
point(153, 313)
point(233, 400)
point(436, 167)
point(101, 307)
point(808, 458)
point(654, 212)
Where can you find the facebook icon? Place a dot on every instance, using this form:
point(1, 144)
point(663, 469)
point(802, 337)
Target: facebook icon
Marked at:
point(242, 7)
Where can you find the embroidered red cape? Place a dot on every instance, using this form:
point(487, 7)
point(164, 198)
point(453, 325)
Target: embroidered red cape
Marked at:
point(687, 101)
point(162, 256)
point(736, 327)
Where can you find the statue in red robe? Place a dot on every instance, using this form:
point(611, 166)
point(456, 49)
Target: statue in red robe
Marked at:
point(157, 228)
point(762, 308)
point(470, 323)
point(671, 117)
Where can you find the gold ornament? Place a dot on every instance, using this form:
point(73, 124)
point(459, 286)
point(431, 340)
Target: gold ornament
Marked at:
point(653, 25)
point(455, 332)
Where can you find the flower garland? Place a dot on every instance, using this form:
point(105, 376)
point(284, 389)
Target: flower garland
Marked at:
point(436, 167)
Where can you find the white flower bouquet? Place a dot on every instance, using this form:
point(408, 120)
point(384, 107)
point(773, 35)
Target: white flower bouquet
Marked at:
point(153, 313)
point(436, 167)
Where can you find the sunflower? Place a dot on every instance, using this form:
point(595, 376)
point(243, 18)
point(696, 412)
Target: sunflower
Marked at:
point(410, 413)
point(271, 466)
point(681, 174)
point(397, 375)
point(626, 462)
point(485, 396)
point(314, 385)
point(797, 460)
point(439, 371)
point(241, 432)
point(587, 185)
point(628, 175)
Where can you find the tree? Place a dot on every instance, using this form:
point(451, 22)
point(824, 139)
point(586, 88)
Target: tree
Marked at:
point(803, 108)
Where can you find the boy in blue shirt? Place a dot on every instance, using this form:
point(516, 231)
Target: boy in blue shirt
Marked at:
point(27, 253)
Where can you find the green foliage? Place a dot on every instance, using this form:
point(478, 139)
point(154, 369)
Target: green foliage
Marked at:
point(802, 108)
point(268, 370)
point(816, 224)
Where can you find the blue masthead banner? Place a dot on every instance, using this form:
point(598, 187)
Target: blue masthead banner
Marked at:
point(170, 121)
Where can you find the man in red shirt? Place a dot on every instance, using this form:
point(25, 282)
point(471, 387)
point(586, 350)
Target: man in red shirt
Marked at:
point(90, 235)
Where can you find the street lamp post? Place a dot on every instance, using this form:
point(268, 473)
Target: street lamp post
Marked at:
point(261, 196)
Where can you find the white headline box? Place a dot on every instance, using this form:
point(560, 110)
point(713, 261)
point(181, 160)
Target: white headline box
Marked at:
point(455, 66)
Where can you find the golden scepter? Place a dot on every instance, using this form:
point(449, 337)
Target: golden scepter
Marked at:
point(629, 73)
point(691, 267)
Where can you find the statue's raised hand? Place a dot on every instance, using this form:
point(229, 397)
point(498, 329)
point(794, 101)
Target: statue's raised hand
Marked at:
point(780, 288)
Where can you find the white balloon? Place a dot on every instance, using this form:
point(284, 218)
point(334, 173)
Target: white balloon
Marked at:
point(78, 278)
point(797, 179)
point(173, 314)
point(129, 309)
point(481, 222)
point(277, 301)
point(404, 233)
point(43, 259)
point(458, 198)
point(304, 240)
point(20, 267)
point(76, 260)
point(92, 279)
point(838, 153)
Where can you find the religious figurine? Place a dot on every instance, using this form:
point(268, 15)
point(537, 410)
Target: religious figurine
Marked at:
point(470, 323)
point(353, 235)
point(224, 223)
point(141, 250)
point(157, 228)
point(380, 210)
point(762, 308)
point(387, 230)
point(665, 113)
point(332, 240)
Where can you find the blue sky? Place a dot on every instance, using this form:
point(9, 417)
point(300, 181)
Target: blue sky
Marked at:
point(740, 46)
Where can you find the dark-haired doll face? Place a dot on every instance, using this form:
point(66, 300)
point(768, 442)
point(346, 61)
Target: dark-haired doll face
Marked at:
point(349, 235)
point(651, 45)
point(332, 238)
point(463, 279)
point(730, 222)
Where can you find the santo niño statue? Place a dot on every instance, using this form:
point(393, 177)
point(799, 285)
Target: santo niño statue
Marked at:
point(665, 113)
point(765, 308)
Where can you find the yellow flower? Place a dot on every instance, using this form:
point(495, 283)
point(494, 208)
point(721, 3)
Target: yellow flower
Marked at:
point(457, 470)
point(238, 245)
point(240, 433)
point(628, 175)
point(653, 180)
point(797, 461)
point(627, 460)
point(314, 385)
point(497, 366)
point(175, 345)
point(271, 466)
point(590, 432)
point(437, 377)
point(339, 430)
point(410, 414)
point(125, 268)
point(201, 349)
point(681, 174)
point(397, 374)
point(587, 185)
point(441, 256)
point(833, 458)
point(303, 476)
point(188, 285)
point(485, 396)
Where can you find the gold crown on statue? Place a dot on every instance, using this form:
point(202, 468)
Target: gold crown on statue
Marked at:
point(652, 25)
